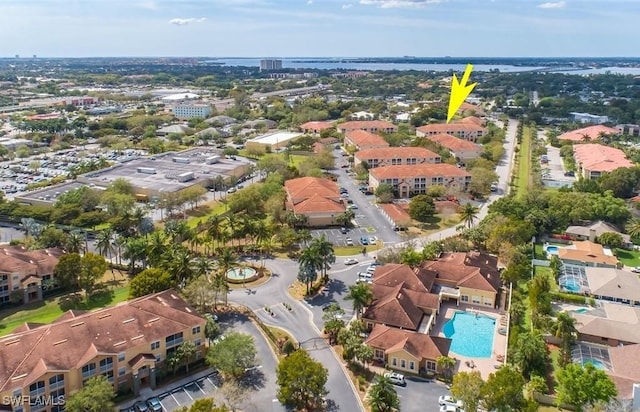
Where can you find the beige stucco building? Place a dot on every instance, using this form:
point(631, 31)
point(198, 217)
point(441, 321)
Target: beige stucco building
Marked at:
point(415, 179)
point(394, 156)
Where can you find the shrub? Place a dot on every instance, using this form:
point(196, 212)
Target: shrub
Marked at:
point(568, 297)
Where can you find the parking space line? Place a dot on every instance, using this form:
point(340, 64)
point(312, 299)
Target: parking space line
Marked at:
point(187, 392)
point(174, 398)
point(199, 387)
point(211, 382)
point(164, 408)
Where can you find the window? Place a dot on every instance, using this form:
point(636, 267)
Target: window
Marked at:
point(197, 342)
point(394, 361)
point(106, 364)
point(88, 370)
point(378, 354)
point(431, 365)
point(158, 358)
point(403, 363)
point(57, 400)
point(475, 300)
point(109, 375)
point(36, 389)
point(195, 330)
point(56, 382)
point(155, 345)
point(412, 365)
point(464, 298)
point(122, 371)
point(121, 357)
point(173, 340)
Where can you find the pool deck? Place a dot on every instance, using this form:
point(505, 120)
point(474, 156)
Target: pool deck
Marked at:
point(485, 366)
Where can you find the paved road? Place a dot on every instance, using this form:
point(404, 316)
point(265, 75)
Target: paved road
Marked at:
point(297, 322)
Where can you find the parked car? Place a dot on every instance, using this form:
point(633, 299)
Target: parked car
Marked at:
point(350, 261)
point(231, 190)
point(154, 404)
point(449, 408)
point(343, 230)
point(396, 378)
point(364, 241)
point(449, 400)
point(352, 207)
point(372, 241)
point(349, 241)
point(141, 406)
point(636, 269)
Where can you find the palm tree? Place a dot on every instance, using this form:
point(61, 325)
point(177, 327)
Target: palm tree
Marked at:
point(186, 353)
point(214, 229)
point(361, 295)
point(446, 365)
point(633, 228)
point(156, 248)
point(325, 249)
point(104, 243)
point(308, 260)
point(233, 225)
point(135, 249)
point(382, 396)
point(469, 213)
point(227, 260)
point(180, 264)
point(564, 329)
point(75, 242)
point(219, 285)
point(202, 266)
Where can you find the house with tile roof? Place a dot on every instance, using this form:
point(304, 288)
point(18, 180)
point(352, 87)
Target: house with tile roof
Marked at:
point(613, 285)
point(316, 199)
point(24, 272)
point(610, 324)
point(392, 156)
point(127, 343)
point(362, 140)
point(372, 126)
point(594, 160)
point(462, 150)
point(415, 179)
point(407, 351)
point(586, 134)
point(596, 229)
point(625, 369)
point(316, 127)
point(464, 129)
point(586, 253)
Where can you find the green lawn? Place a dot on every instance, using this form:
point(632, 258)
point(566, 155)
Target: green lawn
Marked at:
point(50, 309)
point(355, 250)
point(539, 251)
point(628, 257)
point(524, 164)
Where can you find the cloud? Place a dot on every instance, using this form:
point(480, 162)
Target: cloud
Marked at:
point(347, 6)
point(148, 5)
point(552, 5)
point(182, 22)
point(389, 4)
point(309, 2)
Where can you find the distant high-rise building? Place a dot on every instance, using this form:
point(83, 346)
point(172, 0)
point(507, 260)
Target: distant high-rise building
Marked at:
point(17, 56)
point(35, 56)
point(270, 64)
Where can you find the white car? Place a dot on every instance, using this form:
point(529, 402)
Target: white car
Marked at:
point(396, 378)
point(449, 400)
point(349, 241)
point(448, 408)
point(372, 240)
point(350, 261)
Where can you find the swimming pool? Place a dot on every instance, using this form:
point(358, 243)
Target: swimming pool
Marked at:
point(471, 334)
point(597, 363)
point(571, 285)
point(581, 310)
point(552, 250)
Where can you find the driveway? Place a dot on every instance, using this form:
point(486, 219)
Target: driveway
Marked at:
point(420, 396)
point(335, 236)
point(553, 171)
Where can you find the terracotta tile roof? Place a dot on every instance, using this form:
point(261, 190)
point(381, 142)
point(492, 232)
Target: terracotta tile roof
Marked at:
point(393, 274)
point(399, 306)
point(472, 120)
point(396, 152)
point(313, 194)
point(316, 125)
point(18, 259)
point(419, 345)
point(474, 270)
point(453, 143)
point(364, 138)
point(472, 107)
point(367, 124)
point(421, 170)
point(65, 344)
point(398, 214)
point(587, 252)
point(592, 132)
point(599, 158)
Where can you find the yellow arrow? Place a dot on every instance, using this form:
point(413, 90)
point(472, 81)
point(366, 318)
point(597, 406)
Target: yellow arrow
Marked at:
point(459, 92)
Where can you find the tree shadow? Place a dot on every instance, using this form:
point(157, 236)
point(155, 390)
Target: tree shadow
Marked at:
point(98, 299)
point(254, 380)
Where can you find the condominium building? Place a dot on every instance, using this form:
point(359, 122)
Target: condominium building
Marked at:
point(463, 150)
point(362, 140)
point(371, 126)
point(415, 179)
point(394, 156)
point(23, 272)
point(594, 160)
point(467, 129)
point(270, 64)
point(126, 343)
point(190, 111)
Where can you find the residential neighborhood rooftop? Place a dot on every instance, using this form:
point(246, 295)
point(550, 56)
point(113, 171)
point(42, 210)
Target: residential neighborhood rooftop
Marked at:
point(590, 133)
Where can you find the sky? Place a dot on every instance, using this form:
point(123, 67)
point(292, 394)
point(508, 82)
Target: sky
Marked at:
point(322, 28)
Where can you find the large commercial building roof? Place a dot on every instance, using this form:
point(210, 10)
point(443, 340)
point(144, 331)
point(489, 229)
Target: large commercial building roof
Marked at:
point(275, 138)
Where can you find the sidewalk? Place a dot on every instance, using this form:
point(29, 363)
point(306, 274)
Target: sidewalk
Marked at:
point(146, 392)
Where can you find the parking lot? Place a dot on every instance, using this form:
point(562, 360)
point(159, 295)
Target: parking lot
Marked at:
point(335, 236)
point(553, 171)
point(185, 395)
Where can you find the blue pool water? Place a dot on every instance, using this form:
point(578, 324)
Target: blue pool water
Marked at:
point(570, 285)
point(471, 334)
point(595, 362)
point(581, 310)
point(553, 250)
